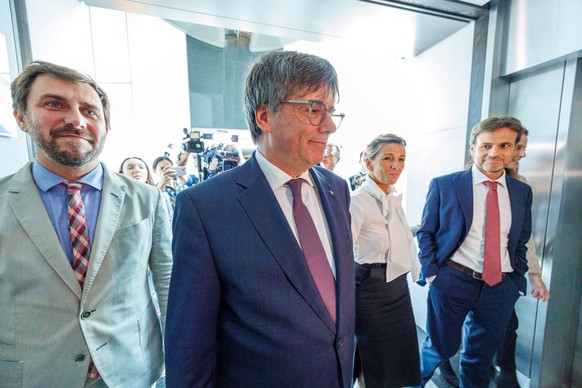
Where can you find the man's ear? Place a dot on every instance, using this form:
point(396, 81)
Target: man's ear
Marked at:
point(263, 117)
point(20, 120)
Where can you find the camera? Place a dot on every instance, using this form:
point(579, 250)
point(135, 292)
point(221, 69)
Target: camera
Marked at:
point(193, 144)
point(225, 158)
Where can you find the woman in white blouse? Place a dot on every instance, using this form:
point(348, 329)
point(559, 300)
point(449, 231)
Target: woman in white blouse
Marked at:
point(385, 253)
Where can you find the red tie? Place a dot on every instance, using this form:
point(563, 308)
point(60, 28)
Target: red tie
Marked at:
point(80, 242)
point(78, 230)
point(492, 254)
point(313, 249)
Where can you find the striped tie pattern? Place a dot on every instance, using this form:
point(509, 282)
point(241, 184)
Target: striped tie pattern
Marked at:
point(78, 230)
point(80, 243)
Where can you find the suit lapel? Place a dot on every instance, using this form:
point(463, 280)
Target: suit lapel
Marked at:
point(343, 266)
point(112, 197)
point(262, 208)
point(515, 199)
point(30, 211)
point(464, 188)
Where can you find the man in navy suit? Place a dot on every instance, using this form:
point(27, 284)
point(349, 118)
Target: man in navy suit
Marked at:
point(451, 241)
point(244, 308)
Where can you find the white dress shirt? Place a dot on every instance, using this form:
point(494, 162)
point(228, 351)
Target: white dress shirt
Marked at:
point(277, 180)
point(470, 253)
point(380, 231)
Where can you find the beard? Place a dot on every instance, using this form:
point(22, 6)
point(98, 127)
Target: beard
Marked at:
point(72, 157)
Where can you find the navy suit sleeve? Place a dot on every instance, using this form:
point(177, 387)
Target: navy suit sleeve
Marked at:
point(521, 249)
point(427, 233)
point(193, 302)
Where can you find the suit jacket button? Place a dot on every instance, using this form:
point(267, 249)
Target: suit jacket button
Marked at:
point(79, 358)
point(86, 314)
point(339, 344)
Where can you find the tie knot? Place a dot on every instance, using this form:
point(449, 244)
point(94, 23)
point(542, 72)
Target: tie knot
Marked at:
point(73, 187)
point(491, 185)
point(295, 185)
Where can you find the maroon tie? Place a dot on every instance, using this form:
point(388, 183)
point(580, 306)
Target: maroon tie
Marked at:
point(313, 249)
point(80, 242)
point(492, 254)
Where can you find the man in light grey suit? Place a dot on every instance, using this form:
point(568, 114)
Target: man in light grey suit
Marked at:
point(58, 329)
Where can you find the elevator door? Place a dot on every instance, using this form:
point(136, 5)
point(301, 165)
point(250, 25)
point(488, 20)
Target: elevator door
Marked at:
point(546, 102)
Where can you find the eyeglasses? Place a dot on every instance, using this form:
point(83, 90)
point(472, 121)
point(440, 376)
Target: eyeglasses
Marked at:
point(317, 111)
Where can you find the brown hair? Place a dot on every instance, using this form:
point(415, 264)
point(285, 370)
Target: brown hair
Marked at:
point(20, 87)
point(149, 178)
point(494, 123)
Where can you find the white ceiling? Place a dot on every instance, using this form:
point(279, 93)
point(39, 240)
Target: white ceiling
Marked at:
point(399, 32)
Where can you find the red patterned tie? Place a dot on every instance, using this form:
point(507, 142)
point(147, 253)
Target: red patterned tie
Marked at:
point(78, 230)
point(492, 254)
point(80, 242)
point(313, 249)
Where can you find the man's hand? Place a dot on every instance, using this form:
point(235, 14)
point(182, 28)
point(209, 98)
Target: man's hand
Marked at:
point(168, 174)
point(538, 288)
point(182, 158)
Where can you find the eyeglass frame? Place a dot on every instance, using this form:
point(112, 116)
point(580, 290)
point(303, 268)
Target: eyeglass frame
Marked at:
point(330, 112)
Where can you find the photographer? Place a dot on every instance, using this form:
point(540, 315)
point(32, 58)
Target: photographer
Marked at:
point(221, 158)
point(168, 182)
point(188, 179)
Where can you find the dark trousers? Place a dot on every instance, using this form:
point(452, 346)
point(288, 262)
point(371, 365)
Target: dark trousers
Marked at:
point(505, 357)
point(457, 301)
point(385, 330)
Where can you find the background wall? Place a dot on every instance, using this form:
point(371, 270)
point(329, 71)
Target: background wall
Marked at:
point(13, 149)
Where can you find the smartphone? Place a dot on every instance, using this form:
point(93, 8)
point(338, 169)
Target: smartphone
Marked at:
point(180, 170)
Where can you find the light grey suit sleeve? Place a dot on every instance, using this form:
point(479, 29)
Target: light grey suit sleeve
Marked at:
point(160, 260)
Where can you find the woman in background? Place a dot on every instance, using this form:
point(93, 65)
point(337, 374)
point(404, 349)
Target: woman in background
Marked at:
point(137, 169)
point(385, 253)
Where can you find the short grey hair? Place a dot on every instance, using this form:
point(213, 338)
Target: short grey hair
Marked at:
point(277, 75)
point(335, 148)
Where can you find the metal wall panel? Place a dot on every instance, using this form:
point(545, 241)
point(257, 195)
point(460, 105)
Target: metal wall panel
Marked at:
point(548, 103)
point(541, 31)
point(536, 101)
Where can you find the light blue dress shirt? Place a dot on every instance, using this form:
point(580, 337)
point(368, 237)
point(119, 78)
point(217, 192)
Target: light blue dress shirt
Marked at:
point(54, 197)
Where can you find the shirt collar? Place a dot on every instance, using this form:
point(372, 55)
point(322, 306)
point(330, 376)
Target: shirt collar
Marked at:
point(479, 177)
point(46, 179)
point(375, 191)
point(275, 176)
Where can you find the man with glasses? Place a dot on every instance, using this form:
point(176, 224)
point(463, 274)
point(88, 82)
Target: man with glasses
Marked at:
point(331, 157)
point(262, 291)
